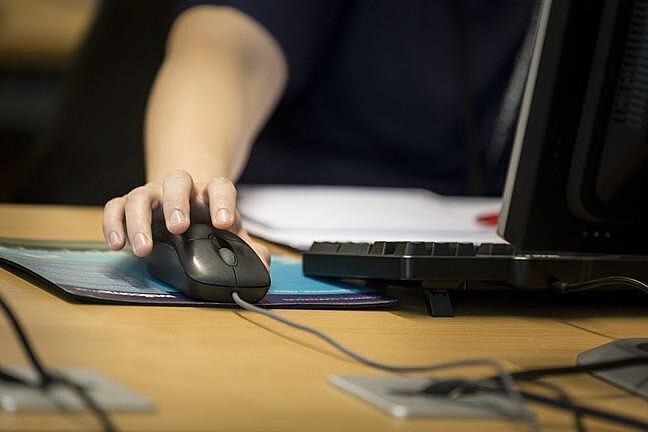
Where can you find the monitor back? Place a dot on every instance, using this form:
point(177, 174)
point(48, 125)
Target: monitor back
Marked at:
point(577, 179)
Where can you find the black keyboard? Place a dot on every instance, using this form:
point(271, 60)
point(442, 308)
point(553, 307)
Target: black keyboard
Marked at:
point(451, 265)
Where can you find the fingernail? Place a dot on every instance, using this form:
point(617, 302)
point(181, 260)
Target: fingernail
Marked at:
point(177, 217)
point(140, 242)
point(114, 240)
point(223, 215)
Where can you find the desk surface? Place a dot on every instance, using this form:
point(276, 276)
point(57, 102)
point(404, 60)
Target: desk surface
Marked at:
point(42, 32)
point(222, 369)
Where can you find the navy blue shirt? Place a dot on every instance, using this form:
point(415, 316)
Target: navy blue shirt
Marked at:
point(375, 92)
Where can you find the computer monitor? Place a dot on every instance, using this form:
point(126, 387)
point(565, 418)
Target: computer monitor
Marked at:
point(577, 180)
point(578, 175)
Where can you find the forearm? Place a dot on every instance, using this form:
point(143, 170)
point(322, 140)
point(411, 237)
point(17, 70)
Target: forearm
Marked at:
point(221, 78)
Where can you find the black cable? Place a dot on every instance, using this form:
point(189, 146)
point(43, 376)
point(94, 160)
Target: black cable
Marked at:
point(43, 375)
point(533, 374)
point(604, 282)
point(47, 379)
point(563, 396)
point(472, 387)
point(101, 415)
point(13, 379)
point(587, 411)
point(457, 387)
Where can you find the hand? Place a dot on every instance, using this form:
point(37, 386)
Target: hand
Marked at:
point(181, 200)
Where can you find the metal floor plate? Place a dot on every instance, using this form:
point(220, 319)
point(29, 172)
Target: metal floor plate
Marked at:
point(633, 379)
point(399, 396)
point(109, 394)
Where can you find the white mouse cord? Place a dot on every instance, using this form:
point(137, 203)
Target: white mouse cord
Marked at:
point(507, 381)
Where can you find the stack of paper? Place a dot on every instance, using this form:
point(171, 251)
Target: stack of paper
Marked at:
point(299, 215)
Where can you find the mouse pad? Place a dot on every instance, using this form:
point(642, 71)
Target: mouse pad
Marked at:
point(82, 273)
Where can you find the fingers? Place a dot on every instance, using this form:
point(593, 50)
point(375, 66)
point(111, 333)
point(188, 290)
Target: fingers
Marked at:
point(137, 210)
point(224, 215)
point(113, 223)
point(176, 194)
point(181, 201)
point(222, 202)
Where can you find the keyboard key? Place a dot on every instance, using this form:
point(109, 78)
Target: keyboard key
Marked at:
point(354, 248)
point(465, 249)
point(501, 249)
point(483, 249)
point(390, 247)
point(410, 248)
point(378, 248)
point(498, 249)
point(325, 247)
point(442, 249)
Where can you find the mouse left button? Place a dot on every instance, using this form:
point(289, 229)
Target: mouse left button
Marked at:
point(163, 264)
point(159, 230)
point(202, 263)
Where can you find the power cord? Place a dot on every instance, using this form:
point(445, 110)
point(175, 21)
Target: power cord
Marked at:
point(46, 378)
point(604, 282)
point(533, 374)
point(564, 397)
point(504, 377)
point(476, 386)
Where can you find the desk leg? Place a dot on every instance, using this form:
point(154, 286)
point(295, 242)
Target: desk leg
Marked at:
point(438, 302)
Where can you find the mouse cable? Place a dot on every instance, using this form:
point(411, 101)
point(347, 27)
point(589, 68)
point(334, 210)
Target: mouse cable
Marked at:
point(604, 282)
point(530, 375)
point(46, 378)
point(503, 376)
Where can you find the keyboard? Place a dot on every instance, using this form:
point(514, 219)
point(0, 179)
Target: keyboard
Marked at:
point(454, 265)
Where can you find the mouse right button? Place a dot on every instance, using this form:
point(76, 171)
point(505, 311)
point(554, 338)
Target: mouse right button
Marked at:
point(250, 270)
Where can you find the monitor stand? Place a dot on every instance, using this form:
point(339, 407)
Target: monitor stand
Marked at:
point(633, 379)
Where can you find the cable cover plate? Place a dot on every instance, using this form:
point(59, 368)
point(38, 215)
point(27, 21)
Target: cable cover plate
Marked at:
point(109, 394)
point(400, 396)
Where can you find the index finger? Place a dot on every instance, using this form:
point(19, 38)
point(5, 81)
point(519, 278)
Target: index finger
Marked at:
point(176, 194)
point(113, 223)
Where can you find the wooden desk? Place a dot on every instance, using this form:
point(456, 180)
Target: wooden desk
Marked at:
point(222, 369)
point(42, 32)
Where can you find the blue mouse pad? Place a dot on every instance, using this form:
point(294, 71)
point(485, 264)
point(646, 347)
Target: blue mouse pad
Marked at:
point(120, 277)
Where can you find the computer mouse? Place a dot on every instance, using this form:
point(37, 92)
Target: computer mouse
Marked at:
point(206, 263)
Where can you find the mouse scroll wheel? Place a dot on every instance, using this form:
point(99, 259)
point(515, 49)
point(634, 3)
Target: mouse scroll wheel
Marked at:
point(224, 252)
point(227, 256)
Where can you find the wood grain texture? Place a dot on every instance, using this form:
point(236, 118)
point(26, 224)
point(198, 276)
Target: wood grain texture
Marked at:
point(223, 369)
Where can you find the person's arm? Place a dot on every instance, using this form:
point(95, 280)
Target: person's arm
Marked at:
point(221, 77)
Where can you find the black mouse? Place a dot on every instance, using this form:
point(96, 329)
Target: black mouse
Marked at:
point(206, 263)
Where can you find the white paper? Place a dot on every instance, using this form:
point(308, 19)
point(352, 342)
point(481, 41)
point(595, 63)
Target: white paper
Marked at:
point(299, 215)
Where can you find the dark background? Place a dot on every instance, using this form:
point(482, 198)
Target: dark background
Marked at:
point(72, 132)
